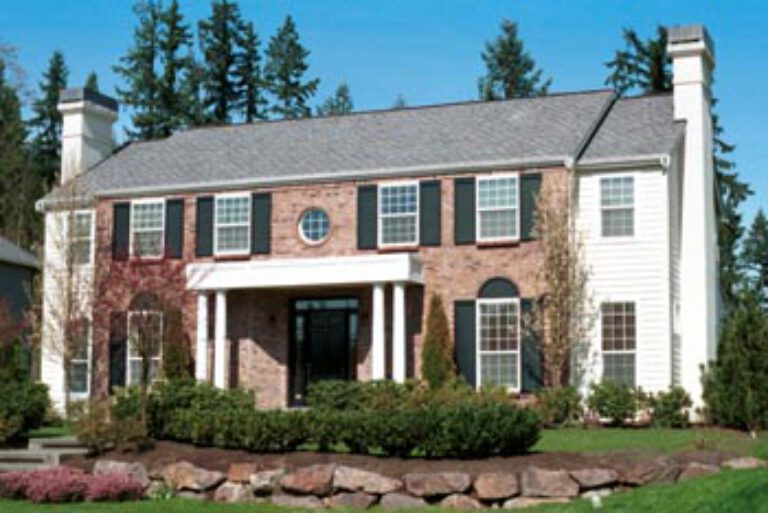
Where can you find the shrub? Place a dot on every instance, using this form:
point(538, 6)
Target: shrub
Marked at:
point(559, 406)
point(99, 428)
point(437, 366)
point(13, 485)
point(614, 401)
point(57, 484)
point(670, 409)
point(23, 407)
point(337, 395)
point(113, 487)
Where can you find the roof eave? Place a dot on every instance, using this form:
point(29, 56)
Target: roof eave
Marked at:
point(660, 160)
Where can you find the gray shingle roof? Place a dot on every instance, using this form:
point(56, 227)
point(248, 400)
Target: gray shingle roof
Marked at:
point(12, 254)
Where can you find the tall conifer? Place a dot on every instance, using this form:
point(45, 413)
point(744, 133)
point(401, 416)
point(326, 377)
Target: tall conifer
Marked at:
point(174, 38)
point(248, 75)
point(218, 37)
point(337, 105)
point(46, 120)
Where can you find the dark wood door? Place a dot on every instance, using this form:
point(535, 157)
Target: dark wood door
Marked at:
point(327, 345)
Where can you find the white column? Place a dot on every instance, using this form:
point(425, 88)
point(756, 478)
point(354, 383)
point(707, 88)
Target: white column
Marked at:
point(398, 332)
point(201, 363)
point(378, 356)
point(220, 341)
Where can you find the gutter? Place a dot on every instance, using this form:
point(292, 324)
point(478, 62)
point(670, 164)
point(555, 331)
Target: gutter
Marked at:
point(659, 160)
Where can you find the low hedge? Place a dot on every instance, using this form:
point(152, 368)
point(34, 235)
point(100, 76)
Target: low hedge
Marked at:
point(23, 406)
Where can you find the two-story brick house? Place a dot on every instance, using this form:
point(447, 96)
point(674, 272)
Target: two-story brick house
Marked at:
point(311, 247)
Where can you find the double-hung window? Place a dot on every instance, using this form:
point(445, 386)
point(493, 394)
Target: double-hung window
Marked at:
point(82, 237)
point(80, 358)
point(232, 217)
point(619, 337)
point(399, 214)
point(498, 340)
point(498, 208)
point(145, 340)
point(148, 228)
point(617, 205)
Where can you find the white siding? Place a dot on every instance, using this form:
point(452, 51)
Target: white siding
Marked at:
point(630, 269)
point(675, 179)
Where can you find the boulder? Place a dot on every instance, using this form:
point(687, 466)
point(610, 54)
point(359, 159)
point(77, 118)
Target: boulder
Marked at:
point(241, 472)
point(233, 492)
point(355, 500)
point(527, 502)
point(460, 501)
point(398, 500)
point(292, 501)
point(436, 484)
point(133, 469)
point(744, 463)
point(696, 469)
point(193, 496)
point(661, 470)
point(537, 482)
point(264, 482)
point(183, 475)
point(355, 479)
point(590, 478)
point(597, 493)
point(494, 486)
point(313, 480)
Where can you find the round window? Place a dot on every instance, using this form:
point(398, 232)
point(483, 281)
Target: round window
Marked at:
point(314, 225)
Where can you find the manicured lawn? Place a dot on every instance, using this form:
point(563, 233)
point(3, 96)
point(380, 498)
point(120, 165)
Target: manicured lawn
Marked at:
point(729, 492)
point(662, 440)
point(50, 432)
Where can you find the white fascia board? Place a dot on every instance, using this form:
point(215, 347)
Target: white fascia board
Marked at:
point(653, 161)
point(305, 272)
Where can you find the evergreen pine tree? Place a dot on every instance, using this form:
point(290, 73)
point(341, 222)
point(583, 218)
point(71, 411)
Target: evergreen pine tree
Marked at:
point(284, 72)
point(174, 37)
point(510, 70)
point(218, 37)
point(400, 102)
point(642, 65)
point(138, 70)
point(249, 80)
point(92, 82)
point(755, 252)
point(46, 120)
point(337, 105)
point(437, 366)
point(193, 112)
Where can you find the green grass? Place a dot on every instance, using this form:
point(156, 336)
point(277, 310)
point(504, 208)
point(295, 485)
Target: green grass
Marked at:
point(660, 440)
point(729, 492)
point(50, 432)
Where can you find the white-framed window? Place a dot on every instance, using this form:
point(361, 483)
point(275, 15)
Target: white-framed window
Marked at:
point(232, 224)
point(498, 208)
point(148, 228)
point(314, 225)
point(618, 326)
point(498, 343)
point(399, 214)
point(80, 347)
point(617, 206)
point(145, 332)
point(82, 235)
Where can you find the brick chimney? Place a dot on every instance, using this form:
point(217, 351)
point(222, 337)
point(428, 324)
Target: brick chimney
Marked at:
point(86, 134)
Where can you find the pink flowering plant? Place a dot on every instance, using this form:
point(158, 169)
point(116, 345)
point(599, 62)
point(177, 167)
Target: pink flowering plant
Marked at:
point(65, 484)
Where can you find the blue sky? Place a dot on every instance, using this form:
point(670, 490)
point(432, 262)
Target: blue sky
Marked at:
point(429, 50)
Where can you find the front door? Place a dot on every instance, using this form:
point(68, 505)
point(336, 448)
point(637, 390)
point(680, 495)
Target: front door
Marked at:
point(324, 338)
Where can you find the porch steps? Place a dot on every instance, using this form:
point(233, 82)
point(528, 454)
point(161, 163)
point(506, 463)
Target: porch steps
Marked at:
point(40, 453)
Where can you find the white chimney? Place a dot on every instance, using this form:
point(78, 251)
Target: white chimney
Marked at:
point(693, 60)
point(86, 133)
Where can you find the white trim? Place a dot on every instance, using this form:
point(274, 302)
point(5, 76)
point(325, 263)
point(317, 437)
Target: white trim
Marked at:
point(220, 353)
point(478, 210)
point(231, 195)
point(300, 228)
point(603, 209)
point(378, 334)
point(146, 201)
point(601, 353)
point(79, 396)
point(91, 236)
point(201, 350)
point(380, 215)
point(398, 332)
point(478, 328)
point(128, 357)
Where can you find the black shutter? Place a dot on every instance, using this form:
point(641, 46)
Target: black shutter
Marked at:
point(121, 230)
point(529, 191)
point(261, 223)
point(118, 349)
point(367, 212)
point(465, 346)
point(174, 228)
point(532, 372)
point(429, 213)
point(464, 210)
point(204, 226)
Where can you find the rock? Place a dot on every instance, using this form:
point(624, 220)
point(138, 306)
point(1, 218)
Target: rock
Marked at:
point(241, 472)
point(265, 481)
point(527, 502)
point(661, 470)
point(134, 469)
point(494, 486)
point(537, 482)
point(744, 463)
point(292, 501)
point(696, 469)
point(157, 490)
point(590, 478)
point(355, 479)
point(599, 492)
point(185, 476)
point(436, 484)
point(460, 501)
point(312, 480)
point(397, 500)
point(356, 500)
point(193, 496)
point(233, 492)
